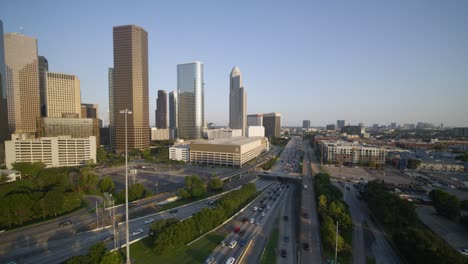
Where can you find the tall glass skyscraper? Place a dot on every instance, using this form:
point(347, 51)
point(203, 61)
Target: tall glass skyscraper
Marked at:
point(237, 102)
point(4, 133)
point(173, 123)
point(191, 110)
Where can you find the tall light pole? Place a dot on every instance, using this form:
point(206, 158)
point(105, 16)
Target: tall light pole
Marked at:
point(126, 112)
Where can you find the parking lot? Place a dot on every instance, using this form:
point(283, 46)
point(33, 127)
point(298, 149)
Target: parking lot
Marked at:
point(368, 174)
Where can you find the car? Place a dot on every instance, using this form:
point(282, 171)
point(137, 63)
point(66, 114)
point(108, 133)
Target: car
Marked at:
point(305, 246)
point(268, 207)
point(136, 233)
point(463, 251)
point(245, 219)
point(223, 243)
point(232, 244)
point(242, 242)
point(149, 221)
point(252, 220)
point(285, 218)
point(286, 239)
point(305, 186)
point(230, 260)
point(236, 229)
point(263, 214)
point(283, 253)
point(241, 232)
point(65, 223)
point(173, 211)
point(109, 238)
point(255, 208)
point(257, 223)
point(209, 260)
point(131, 204)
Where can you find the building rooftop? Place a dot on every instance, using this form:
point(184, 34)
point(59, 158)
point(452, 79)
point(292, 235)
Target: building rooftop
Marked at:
point(235, 141)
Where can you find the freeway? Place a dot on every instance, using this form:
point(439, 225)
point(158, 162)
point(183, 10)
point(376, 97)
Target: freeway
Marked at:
point(287, 235)
point(311, 250)
point(250, 223)
point(64, 243)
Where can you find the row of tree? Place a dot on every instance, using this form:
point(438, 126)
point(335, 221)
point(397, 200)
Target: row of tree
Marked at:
point(195, 187)
point(267, 165)
point(171, 234)
point(332, 209)
point(42, 193)
point(98, 254)
point(415, 242)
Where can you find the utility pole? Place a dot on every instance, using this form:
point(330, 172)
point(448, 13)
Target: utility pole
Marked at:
point(336, 244)
point(126, 112)
point(97, 217)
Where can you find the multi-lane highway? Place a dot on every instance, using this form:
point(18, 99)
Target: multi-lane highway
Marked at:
point(62, 242)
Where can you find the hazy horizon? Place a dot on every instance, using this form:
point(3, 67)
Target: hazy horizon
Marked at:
point(361, 61)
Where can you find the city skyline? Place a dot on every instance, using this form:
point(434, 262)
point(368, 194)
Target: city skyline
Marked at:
point(397, 69)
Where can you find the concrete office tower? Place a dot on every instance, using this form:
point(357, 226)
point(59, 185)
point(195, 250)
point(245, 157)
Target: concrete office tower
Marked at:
point(130, 87)
point(43, 69)
point(340, 124)
point(173, 114)
point(110, 77)
point(4, 133)
point(191, 112)
point(161, 110)
point(306, 124)
point(272, 124)
point(237, 102)
point(89, 110)
point(63, 95)
point(22, 78)
point(255, 120)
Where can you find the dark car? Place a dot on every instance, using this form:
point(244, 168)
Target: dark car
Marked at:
point(65, 223)
point(286, 239)
point(285, 218)
point(283, 253)
point(173, 211)
point(305, 246)
point(242, 242)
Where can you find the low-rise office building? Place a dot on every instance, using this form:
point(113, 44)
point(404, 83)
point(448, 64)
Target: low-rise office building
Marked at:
point(159, 133)
point(52, 151)
point(222, 133)
point(73, 127)
point(256, 131)
point(180, 153)
point(351, 153)
point(233, 152)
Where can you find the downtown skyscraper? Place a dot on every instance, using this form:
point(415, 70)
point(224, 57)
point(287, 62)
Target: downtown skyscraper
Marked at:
point(161, 110)
point(22, 82)
point(191, 110)
point(173, 114)
point(237, 102)
point(3, 98)
point(130, 87)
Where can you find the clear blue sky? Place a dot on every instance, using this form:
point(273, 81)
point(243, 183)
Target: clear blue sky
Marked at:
point(363, 61)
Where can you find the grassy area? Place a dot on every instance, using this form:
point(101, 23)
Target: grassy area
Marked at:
point(269, 256)
point(195, 253)
point(269, 163)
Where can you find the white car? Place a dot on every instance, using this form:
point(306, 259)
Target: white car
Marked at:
point(263, 214)
point(136, 233)
point(149, 221)
point(232, 244)
point(268, 207)
point(464, 251)
point(255, 208)
point(209, 260)
point(230, 260)
point(252, 220)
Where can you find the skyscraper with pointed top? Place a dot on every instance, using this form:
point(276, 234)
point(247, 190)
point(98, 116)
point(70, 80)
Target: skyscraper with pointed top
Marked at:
point(237, 102)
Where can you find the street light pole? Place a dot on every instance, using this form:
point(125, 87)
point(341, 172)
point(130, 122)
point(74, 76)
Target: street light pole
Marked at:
point(127, 232)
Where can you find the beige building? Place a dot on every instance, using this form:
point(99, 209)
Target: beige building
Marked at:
point(233, 152)
point(222, 133)
point(130, 87)
point(53, 151)
point(63, 95)
point(22, 82)
point(351, 153)
point(159, 133)
point(74, 127)
point(180, 152)
point(89, 110)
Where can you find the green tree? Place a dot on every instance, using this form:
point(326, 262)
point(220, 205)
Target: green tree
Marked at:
point(3, 177)
point(112, 258)
point(101, 155)
point(54, 202)
point(88, 180)
point(106, 184)
point(97, 252)
point(216, 184)
point(28, 168)
point(446, 204)
point(464, 204)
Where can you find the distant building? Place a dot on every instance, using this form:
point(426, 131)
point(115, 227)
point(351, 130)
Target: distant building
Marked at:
point(331, 127)
point(306, 124)
point(191, 113)
point(354, 130)
point(161, 110)
point(22, 82)
point(340, 124)
point(89, 111)
point(110, 78)
point(4, 131)
point(255, 120)
point(159, 134)
point(43, 69)
point(180, 153)
point(104, 134)
point(255, 131)
point(63, 95)
point(233, 152)
point(173, 120)
point(393, 125)
point(351, 153)
point(73, 127)
point(237, 102)
point(52, 151)
point(223, 133)
point(460, 131)
point(272, 124)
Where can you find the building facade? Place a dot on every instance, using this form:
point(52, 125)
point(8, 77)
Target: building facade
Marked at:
point(460, 131)
point(223, 133)
point(237, 102)
point(43, 69)
point(63, 95)
point(52, 151)
point(73, 127)
point(351, 153)
point(331, 127)
point(130, 87)
point(354, 130)
point(255, 131)
point(89, 111)
point(159, 133)
point(306, 124)
point(255, 120)
point(110, 80)
point(191, 112)
point(340, 124)
point(272, 124)
point(180, 153)
point(173, 114)
point(22, 82)
point(161, 110)
point(231, 152)
point(4, 131)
